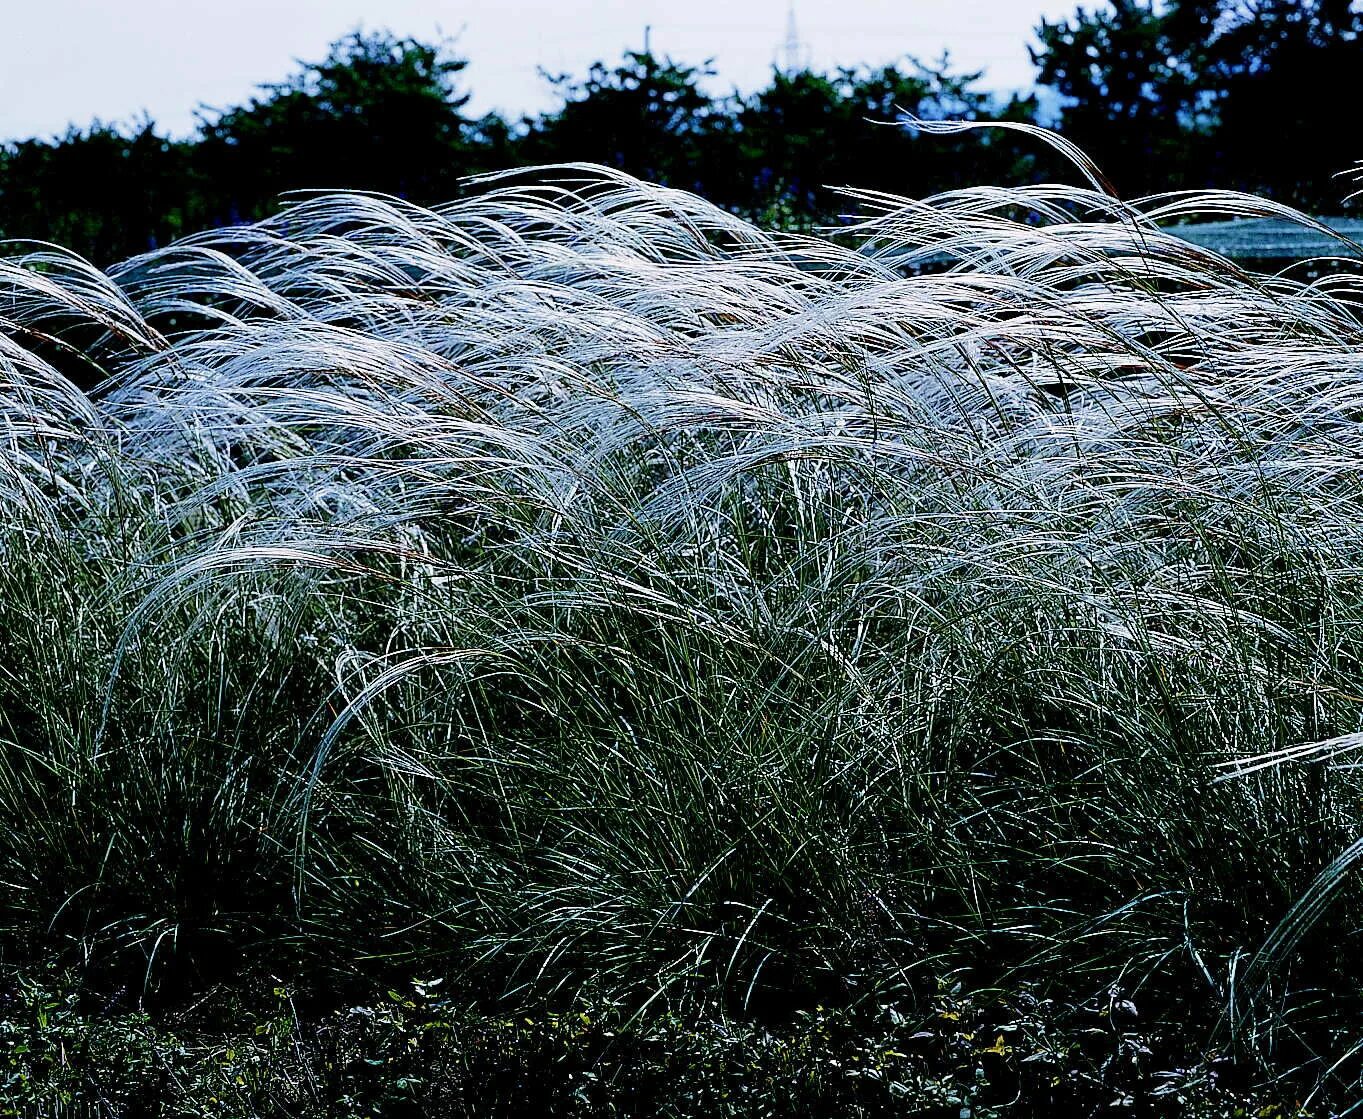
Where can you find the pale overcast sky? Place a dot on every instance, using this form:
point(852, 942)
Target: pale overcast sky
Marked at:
point(64, 61)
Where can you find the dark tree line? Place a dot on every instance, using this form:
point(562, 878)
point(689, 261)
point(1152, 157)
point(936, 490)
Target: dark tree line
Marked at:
point(1254, 94)
point(388, 114)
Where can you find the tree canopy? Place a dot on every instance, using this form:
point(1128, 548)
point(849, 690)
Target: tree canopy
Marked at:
point(1254, 95)
point(1164, 94)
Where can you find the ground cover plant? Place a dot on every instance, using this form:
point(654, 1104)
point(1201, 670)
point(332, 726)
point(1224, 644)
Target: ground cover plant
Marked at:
point(575, 646)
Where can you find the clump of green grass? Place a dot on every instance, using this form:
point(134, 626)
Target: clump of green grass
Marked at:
point(581, 594)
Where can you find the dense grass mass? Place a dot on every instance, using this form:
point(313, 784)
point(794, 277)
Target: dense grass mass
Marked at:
point(582, 597)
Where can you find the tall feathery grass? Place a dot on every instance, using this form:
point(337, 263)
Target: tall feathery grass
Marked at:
point(575, 590)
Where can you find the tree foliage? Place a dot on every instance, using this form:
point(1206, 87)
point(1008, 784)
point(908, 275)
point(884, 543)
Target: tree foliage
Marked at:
point(1251, 94)
point(807, 131)
point(1164, 94)
point(648, 116)
point(389, 114)
point(379, 113)
point(108, 192)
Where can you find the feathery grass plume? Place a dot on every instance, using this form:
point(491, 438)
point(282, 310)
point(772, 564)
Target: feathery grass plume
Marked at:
point(577, 589)
point(1355, 173)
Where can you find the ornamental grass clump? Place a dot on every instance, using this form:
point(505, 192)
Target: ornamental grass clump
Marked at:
point(577, 592)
